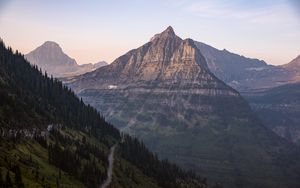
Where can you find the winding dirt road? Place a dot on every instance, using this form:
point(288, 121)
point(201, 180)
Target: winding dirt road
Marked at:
point(110, 166)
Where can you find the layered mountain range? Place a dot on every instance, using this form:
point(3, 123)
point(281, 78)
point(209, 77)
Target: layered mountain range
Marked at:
point(164, 93)
point(246, 74)
point(242, 73)
point(51, 58)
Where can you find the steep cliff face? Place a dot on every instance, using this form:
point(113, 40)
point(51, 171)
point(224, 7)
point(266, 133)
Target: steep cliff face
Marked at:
point(164, 93)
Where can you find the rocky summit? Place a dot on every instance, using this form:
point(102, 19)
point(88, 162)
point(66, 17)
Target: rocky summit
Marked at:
point(164, 93)
point(51, 58)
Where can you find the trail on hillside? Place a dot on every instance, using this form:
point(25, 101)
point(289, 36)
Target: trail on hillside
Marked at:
point(110, 166)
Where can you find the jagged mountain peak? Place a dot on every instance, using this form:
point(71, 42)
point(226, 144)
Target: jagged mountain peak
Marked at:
point(166, 34)
point(166, 57)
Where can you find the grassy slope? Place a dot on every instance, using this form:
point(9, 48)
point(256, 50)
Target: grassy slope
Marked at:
point(30, 156)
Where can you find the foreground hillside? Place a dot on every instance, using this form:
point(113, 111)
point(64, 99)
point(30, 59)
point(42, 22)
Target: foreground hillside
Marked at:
point(164, 93)
point(50, 138)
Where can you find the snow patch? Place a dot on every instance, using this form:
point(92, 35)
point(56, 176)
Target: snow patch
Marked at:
point(235, 82)
point(112, 87)
point(256, 68)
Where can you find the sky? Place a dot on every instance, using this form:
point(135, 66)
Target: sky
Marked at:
point(92, 31)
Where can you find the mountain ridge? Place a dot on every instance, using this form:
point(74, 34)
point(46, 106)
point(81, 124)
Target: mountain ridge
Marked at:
point(163, 93)
point(246, 74)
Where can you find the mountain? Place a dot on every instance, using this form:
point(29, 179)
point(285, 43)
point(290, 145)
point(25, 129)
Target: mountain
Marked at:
point(84, 68)
point(51, 58)
point(164, 93)
point(50, 138)
point(294, 64)
point(99, 64)
point(294, 67)
point(266, 87)
point(279, 109)
point(245, 74)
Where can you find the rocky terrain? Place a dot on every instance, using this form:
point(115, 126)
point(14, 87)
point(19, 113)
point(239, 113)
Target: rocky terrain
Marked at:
point(164, 93)
point(51, 58)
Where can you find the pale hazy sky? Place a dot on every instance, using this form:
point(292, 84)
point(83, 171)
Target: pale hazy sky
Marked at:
point(90, 31)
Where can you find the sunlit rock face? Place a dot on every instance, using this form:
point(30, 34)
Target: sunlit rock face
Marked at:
point(164, 93)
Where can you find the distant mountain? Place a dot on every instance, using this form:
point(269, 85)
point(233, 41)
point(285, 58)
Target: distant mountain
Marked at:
point(84, 68)
point(51, 58)
point(50, 138)
point(294, 67)
point(294, 64)
point(246, 74)
point(279, 108)
point(164, 93)
point(100, 64)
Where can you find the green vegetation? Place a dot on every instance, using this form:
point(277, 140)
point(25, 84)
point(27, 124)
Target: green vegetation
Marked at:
point(218, 137)
point(50, 138)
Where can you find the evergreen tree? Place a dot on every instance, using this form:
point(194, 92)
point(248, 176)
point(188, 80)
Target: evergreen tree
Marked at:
point(1, 179)
point(18, 177)
point(8, 182)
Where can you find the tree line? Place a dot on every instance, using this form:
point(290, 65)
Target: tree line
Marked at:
point(30, 98)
